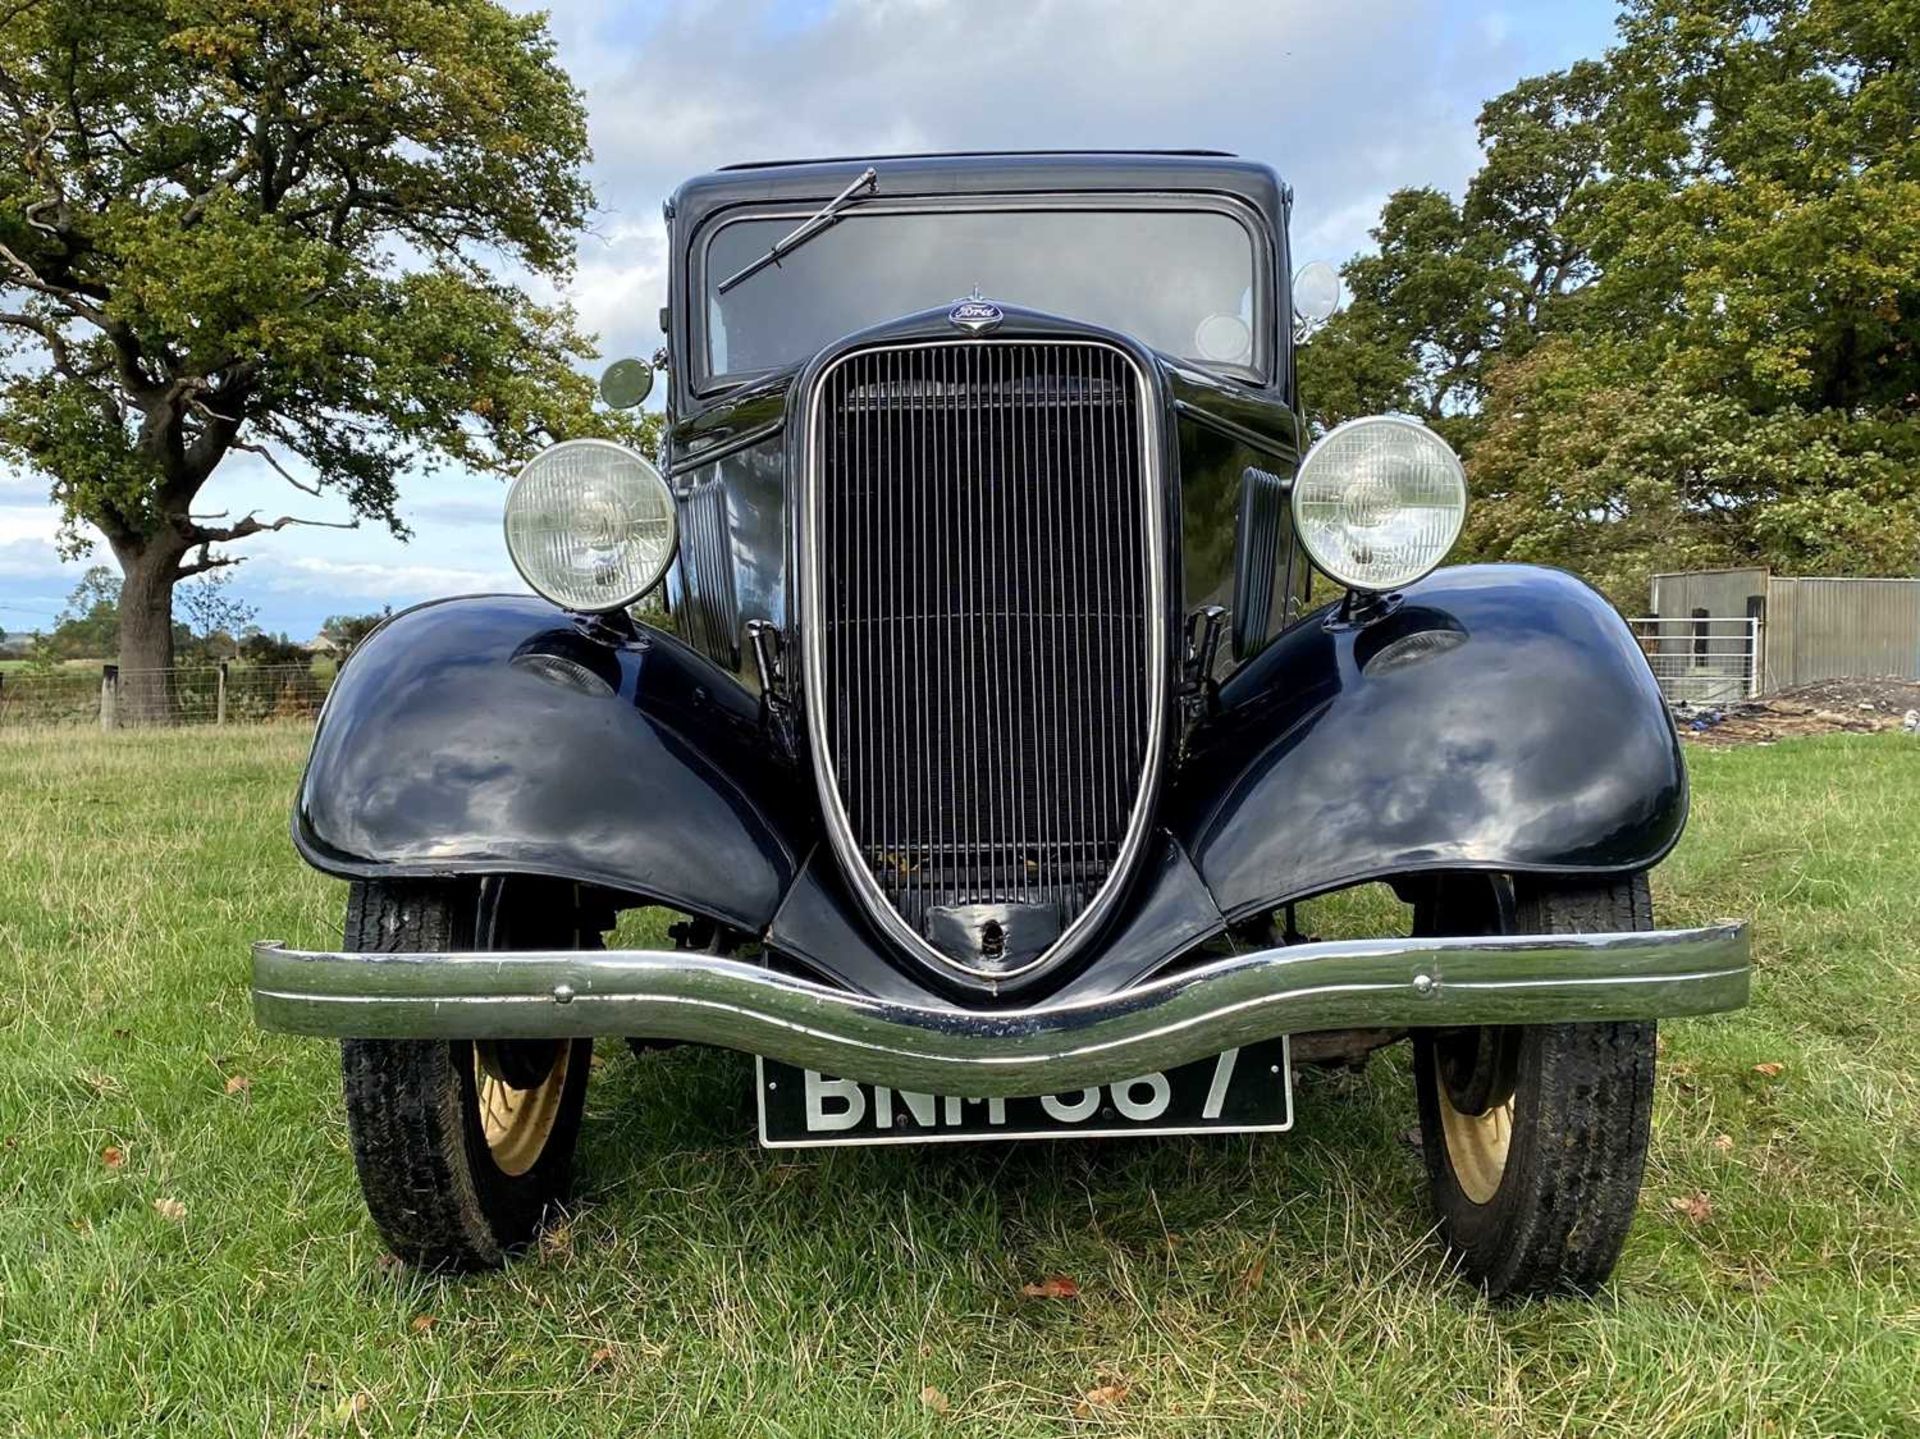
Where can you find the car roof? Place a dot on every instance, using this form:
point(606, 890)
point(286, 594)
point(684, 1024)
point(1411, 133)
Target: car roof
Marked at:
point(993, 172)
point(958, 155)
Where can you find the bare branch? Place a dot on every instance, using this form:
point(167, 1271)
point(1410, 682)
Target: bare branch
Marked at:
point(32, 214)
point(28, 278)
point(200, 406)
point(45, 329)
point(56, 344)
point(248, 525)
point(264, 453)
point(126, 348)
point(203, 562)
point(198, 205)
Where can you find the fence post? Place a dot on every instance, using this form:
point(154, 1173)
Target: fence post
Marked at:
point(109, 696)
point(220, 695)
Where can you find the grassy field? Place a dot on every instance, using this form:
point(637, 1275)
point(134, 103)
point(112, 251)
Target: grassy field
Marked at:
point(183, 1248)
point(21, 666)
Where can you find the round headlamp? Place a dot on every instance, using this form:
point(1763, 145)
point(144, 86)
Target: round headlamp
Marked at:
point(590, 525)
point(1379, 502)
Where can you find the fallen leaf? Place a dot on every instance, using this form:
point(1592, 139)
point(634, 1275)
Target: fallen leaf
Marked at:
point(1054, 1286)
point(352, 1407)
point(1696, 1206)
point(238, 1084)
point(1772, 1069)
point(1723, 1142)
point(1256, 1271)
point(935, 1400)
point(113, 1156)
point(422, 1323)
point(170, 1209)
point(600, 1358)
point(1105, 1396)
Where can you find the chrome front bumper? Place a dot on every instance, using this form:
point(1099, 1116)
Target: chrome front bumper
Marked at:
point(1506, 979)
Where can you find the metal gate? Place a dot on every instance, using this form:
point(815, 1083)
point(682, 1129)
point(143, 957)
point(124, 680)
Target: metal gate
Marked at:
point(1700, 660)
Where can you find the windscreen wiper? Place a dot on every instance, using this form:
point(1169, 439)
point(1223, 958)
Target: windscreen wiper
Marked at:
point(868, 180)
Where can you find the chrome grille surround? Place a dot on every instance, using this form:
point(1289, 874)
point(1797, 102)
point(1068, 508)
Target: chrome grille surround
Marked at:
point(1035, 547)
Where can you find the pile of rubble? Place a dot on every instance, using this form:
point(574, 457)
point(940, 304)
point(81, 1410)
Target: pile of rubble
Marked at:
point(1848, 706)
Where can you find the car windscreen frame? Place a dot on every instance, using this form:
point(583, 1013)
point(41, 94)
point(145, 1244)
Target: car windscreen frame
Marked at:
point(1268, 351)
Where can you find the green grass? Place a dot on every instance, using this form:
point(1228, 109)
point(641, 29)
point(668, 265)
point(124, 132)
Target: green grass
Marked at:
point(1284, 1284)
point(60, 667)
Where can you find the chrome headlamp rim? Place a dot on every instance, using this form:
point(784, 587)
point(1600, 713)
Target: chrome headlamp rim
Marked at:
point(668, 552)
point(1333, 571)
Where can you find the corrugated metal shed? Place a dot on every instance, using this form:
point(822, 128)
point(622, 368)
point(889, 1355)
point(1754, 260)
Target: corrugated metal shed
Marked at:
point(1823, 629)
point(1812, 628)
point(1723, 594)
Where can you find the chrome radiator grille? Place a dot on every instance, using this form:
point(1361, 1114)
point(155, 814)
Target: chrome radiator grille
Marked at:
point(984, 583)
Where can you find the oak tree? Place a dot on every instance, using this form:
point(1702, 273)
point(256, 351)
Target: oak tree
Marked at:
point(1675, 319)
point(306, 233)
point(1452, 287)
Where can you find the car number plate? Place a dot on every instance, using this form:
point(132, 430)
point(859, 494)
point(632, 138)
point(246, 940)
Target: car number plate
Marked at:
point(1250, 1088)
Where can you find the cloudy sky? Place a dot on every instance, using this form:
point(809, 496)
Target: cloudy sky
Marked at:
point(1348, 101)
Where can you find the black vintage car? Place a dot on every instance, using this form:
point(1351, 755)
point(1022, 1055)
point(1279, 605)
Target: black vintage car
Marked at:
point(985, 729)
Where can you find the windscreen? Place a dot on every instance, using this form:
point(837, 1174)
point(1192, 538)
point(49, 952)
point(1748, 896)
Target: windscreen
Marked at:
point(1180, 281)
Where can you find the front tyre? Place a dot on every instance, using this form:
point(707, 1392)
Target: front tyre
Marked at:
point(462, 1146)
point(1535, 1136)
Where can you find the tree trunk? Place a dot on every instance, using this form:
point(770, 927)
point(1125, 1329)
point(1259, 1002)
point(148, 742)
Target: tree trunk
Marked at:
point(146, 631)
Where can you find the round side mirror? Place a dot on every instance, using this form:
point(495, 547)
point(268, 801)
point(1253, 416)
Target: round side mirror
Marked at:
point(1316, 292)
point(626, 383)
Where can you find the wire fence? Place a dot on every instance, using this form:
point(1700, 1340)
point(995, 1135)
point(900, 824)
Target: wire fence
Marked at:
point(113, 698)
point(1696, 661)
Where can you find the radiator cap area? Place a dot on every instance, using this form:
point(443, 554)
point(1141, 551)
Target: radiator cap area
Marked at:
point(993, 936)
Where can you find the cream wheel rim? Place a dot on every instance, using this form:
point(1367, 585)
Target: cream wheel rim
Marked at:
point(1476, 1143)
point(516, 1122)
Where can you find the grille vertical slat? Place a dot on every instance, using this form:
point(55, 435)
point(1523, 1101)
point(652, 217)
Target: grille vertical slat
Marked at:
point(987, 651)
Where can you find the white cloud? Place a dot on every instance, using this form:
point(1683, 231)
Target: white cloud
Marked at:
point(620, 285)
point(447, 513)
point(15, 484)
point(371, 580)
point(29, 559)
point(29, 524)
point(1324, 93)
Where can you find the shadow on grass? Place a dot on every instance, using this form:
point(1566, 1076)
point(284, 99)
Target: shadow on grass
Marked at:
point(670, 1156)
